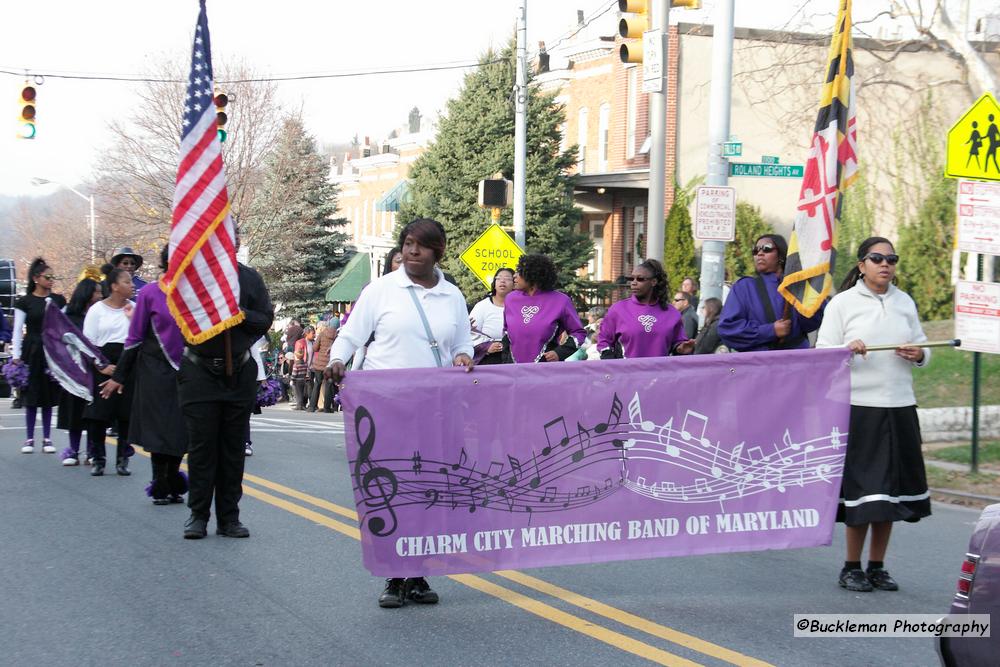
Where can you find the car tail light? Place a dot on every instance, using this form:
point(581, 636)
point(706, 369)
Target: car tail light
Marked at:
point(968, 574)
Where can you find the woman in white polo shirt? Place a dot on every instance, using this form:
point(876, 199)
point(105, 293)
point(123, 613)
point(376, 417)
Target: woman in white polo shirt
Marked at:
point(884, 478)
point(387, 309)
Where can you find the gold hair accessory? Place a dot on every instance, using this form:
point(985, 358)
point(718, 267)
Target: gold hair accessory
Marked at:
point(91, 272)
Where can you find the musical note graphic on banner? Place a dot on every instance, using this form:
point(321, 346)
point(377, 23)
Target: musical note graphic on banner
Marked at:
point(561, 440)
point(635, 415)
point(614, 417)
point(698, 417)
point(835, 437)
point(583, 437)
point(416, 460)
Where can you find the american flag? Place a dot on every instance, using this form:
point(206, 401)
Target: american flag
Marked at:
point(201, 283)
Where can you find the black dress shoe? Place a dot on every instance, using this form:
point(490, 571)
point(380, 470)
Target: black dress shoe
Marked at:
point(232, 529)
point(880, 579)
point(160, 501)
point(195, 528)
point(419, 591)
point(97, 470)
point(394, 594)
point(175, 498)
point(122, 468)
point(855, 580)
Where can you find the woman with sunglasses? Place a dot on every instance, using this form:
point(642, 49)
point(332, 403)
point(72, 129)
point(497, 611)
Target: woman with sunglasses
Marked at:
point(536, 315)
point(753, 317)
point(884, 478)
point(487, 319)
point(42, 391)
point(106, 326)
point(646, 324)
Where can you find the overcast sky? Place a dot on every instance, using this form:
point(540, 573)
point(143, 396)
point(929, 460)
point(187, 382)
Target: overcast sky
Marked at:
point(304, 36)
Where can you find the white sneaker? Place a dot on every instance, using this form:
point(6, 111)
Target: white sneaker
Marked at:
point(90, 460)
point(47, 447)
point(71, 461)
point(248, 451)
point(29, 448)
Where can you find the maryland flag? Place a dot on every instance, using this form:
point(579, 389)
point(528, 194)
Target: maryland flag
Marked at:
point(832, 165)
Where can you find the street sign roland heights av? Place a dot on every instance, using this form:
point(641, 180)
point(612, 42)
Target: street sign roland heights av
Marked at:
point(493, 250)
point(715, 213)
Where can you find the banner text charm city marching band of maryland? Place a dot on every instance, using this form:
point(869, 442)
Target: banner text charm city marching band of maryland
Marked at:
point(549, 464)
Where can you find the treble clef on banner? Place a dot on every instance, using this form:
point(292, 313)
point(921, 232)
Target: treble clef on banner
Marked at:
point(377, 484)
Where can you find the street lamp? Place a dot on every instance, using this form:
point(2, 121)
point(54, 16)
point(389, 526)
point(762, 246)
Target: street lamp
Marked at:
point(93, 220)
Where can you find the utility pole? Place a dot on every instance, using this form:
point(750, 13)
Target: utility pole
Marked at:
point(520, 124)
point(658, 136)
point(713, 253)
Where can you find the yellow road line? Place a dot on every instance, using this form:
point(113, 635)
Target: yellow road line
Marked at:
point(549, 612)
point(631, 620)
point(576, 623)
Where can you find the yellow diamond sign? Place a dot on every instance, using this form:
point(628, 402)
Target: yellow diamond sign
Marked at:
point(494, 249)
point(974, 142)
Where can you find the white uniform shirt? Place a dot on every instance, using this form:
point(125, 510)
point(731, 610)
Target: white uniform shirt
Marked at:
point(882, 380)
point(386, 309)
point(487, 317)
point(105, 324)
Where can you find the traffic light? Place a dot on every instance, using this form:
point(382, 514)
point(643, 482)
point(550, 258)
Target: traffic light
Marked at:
point(26, 118)
point(221, 101)
point(632, 27)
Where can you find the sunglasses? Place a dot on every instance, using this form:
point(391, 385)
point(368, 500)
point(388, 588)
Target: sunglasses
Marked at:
point(49, 276)
point(679, 299)
point(638, 279)
point(878, 258)
point(763, 249)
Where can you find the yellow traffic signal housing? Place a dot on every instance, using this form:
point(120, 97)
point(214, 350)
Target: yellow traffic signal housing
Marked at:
point(632, 27)
point(221, 117)
point(26, 118)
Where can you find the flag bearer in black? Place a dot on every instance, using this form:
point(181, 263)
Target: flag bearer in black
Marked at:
point(216, 407)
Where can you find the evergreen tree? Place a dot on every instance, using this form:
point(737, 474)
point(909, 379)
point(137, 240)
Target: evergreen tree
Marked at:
point(293, 238)
point(925, 246)
point(739, 254)
point(678, 240)
point(475, 141)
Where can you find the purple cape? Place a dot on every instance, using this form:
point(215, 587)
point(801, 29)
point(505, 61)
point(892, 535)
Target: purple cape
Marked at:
point(151, 311)
point(69, 354)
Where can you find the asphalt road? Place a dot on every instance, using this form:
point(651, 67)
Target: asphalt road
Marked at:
point(91, 573)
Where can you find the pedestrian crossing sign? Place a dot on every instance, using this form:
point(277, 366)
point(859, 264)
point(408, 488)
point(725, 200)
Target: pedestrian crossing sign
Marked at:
point(974, 143)
point(493, 250)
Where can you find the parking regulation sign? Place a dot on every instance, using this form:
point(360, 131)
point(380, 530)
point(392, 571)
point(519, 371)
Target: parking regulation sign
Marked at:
point(493, 250)
point(979, 217)
point(977, 316)
point(715, 213)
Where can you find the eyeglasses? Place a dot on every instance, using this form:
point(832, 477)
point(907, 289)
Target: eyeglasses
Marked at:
point(679, 299)
point(766, 248)
point(638, 279)
point(878, 258)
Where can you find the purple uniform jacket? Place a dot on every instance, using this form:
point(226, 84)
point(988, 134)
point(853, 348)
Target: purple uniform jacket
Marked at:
point(533, 322)
point(743, 325)
point(151, 311)
point(644, 330)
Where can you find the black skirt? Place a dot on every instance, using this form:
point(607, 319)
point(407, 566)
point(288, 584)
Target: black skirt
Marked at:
point(71, 412)
point(117, 406)
point(157, 423)
point(884, 477)
point(42, 391)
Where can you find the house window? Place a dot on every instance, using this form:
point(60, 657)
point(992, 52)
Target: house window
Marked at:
point(581, 140)
point(603, 131)
point(595, 267)
point(630, 104)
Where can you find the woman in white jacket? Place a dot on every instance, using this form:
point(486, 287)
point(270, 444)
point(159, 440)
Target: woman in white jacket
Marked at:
point(884, 478)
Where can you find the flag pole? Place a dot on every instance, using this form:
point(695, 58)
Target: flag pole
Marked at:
point(228, 342)
point(954, 342)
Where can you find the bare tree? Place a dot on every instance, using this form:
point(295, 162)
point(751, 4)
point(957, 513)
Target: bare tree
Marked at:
point(136, 173)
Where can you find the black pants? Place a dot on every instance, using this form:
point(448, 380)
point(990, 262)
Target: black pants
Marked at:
point(96, 434)
point(167, 478)
point(320, 383)
point(215, 411)
point(302, 390)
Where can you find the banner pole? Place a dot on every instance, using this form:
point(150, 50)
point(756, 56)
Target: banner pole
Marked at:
point(954, 342)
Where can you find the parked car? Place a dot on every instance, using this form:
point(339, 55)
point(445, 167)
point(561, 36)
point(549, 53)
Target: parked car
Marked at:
point(978, 593)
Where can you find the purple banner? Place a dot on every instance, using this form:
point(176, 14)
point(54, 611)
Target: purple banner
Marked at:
point(547, 464)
